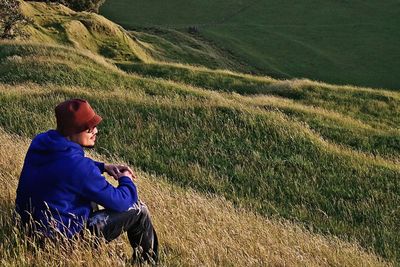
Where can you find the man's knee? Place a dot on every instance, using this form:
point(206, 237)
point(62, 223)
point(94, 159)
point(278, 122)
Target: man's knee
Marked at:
point(145, 218)
point(144, 210)
point(140, 218)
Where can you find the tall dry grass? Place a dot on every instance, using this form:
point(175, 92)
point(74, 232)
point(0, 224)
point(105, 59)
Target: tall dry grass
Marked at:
point(194, 230)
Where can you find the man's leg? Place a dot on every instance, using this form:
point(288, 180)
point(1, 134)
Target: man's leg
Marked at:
point(143, 234)
point(136, 222)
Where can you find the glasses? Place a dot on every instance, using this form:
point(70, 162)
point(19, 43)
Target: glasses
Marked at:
point(91, 130)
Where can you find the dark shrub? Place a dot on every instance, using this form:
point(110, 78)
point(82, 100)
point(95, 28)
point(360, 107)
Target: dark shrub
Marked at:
point(79, 5)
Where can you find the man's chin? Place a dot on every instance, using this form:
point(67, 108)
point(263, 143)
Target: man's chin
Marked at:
point(89, 146)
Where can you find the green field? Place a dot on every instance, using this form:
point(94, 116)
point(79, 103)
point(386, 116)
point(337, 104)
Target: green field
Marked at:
point(275, 157)
point(341, 42)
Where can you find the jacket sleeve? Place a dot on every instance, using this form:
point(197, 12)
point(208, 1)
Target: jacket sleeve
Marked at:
point(100, 165)
point(96, 188)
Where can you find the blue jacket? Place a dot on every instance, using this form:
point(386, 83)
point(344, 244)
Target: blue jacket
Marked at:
point(58, 183)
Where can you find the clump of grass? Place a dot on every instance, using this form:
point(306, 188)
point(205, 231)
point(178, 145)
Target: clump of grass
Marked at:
point(193, 229)
point(20, 249)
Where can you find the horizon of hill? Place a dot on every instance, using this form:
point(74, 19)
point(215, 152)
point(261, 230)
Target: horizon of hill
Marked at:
point(321, 158)
point(340, 42)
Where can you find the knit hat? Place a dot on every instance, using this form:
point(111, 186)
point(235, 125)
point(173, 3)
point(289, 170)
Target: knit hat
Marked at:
point(74, 116)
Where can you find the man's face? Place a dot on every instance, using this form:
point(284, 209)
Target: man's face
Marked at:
point(85, 138)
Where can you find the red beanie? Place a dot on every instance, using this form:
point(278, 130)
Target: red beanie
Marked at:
point(74, 116)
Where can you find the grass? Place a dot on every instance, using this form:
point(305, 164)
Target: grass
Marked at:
point(324, 157)
point(336, 42)
point(88, 31)
point(168, 45)
point(364, 119)
point(81, 30)
point(193, 229)
point(220, 143)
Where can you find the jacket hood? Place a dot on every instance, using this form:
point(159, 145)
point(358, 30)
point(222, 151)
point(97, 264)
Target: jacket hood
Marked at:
point(50, 145)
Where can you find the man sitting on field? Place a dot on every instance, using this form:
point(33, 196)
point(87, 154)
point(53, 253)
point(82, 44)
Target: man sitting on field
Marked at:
point(58, 184)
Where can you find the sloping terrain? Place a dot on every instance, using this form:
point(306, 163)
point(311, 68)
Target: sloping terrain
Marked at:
point(341, 42)
point(364, 119)
point(194, 230)
point(168, 45)
point(89, 31)
point(319, 155)
point(57, 24)
point(258, 158)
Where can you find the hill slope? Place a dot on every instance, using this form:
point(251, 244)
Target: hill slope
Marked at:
point(57, 24)
point(306, 153)
point(364, 119)
point(341, 42)
point(221, 143)
point(194, 230)
point(89, 31)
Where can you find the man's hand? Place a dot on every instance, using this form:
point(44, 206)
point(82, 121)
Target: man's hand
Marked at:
point(118, 171)
point(125, 173)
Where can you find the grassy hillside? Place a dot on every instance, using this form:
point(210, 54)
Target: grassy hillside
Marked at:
point(364, 119)
point(94, 33)
point(168, 45)
point(322, 156)
point(194, 230)
point(259, 158)
point(57, 24)
point(341, 42)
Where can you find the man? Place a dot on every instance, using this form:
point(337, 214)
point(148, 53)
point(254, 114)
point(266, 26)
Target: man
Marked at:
point(58, 184)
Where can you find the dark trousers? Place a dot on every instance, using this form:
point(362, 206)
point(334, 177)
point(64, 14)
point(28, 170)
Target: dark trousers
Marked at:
point(136, 222)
